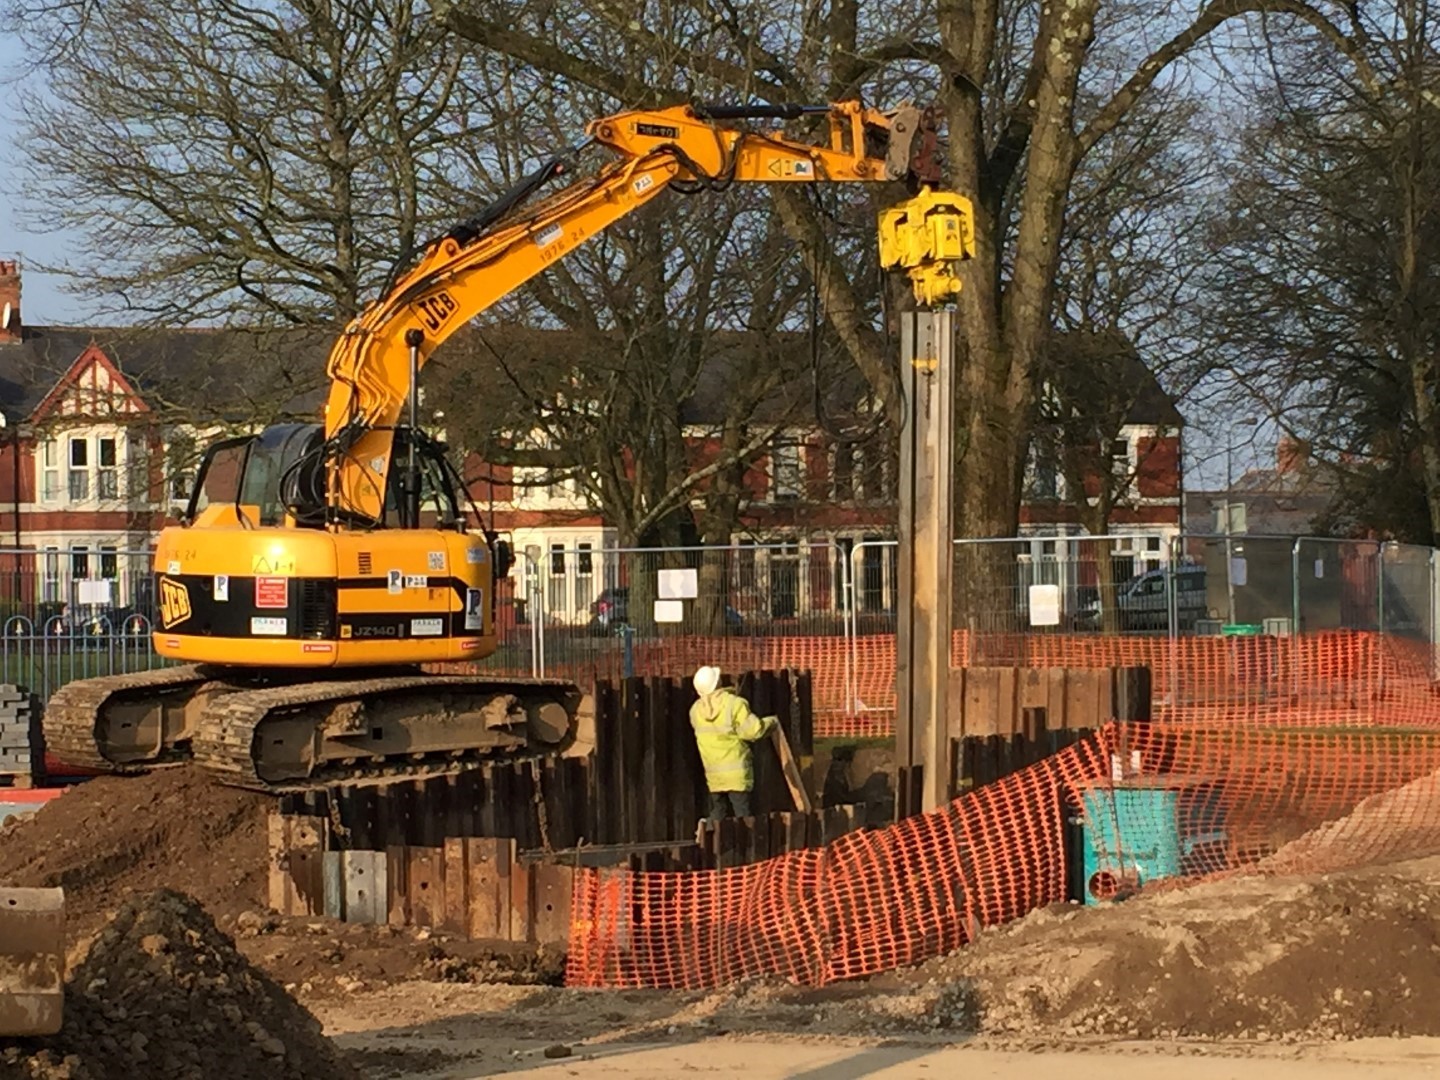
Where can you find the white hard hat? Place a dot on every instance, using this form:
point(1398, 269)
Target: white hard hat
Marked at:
point(706, 680)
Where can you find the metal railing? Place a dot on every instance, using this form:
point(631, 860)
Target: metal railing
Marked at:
point(574, 611)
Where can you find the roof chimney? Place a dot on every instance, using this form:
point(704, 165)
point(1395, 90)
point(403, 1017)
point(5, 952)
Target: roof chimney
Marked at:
point(1292, 455)
point(9, 301)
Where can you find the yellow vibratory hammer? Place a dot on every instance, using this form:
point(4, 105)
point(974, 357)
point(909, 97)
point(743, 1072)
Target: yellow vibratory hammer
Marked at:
point(928, 236)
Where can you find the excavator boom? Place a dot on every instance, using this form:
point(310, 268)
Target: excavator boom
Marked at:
point(374, 364)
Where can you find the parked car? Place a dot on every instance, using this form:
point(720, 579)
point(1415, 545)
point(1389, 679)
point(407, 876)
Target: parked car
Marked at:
point(611, 611)
point(1143, 602)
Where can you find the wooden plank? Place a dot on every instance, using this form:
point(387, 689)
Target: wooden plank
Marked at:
point(455, 915)
point(790, 770)
point(677, 759)
point(1133, 694)
point(363, 873)
point(955, 702)
point(797, 831)
point(333, 886)
point(278, 890)
point(1033, 690)
point(1057, 697)
point(980, 707)
point(487, 891)
point(515, 881)
point(397, 892)
point(553, 887)
point(1088, 701)
point(297, 883)
point(426, 886)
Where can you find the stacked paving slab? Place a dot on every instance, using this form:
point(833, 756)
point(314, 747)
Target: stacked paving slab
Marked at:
point(20, 733)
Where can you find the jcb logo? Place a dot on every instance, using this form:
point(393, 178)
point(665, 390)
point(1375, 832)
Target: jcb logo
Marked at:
point(435, 311)
point(174, 603)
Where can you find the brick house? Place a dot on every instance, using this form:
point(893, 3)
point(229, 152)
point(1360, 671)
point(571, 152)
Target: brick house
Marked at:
point(100, 431)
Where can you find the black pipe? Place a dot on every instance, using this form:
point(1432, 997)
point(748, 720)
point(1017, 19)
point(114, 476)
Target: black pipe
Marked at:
point(714, 111)
point(413, 338)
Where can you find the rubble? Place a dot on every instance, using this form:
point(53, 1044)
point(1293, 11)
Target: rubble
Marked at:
point(163, 993)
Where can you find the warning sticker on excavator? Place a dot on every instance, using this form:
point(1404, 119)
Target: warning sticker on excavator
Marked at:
point(273, 564)
point(474, 609)
point(272, 592)
point(436, 560)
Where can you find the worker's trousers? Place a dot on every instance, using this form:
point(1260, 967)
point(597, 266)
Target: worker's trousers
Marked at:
point(722, 803)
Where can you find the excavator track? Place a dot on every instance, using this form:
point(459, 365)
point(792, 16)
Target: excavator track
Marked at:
point(118, 723)
point(313, 734)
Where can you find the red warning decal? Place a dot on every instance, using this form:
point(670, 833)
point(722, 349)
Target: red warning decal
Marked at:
point(272, 592)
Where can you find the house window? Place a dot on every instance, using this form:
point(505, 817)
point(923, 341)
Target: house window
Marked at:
point(843, 477)
point(785, 472)
point(584, 576)
point(1120, 457)
point(79, 563)
point(51, 586)
point(137, 467)
point(79, 469)
point(49, 471)
point(745, 565)
point(109, 563)
point(107, 476)
point(555, 600)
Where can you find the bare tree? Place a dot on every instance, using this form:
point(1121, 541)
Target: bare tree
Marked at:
point(1011, 79)
point(1327, 280)
point(240, 161)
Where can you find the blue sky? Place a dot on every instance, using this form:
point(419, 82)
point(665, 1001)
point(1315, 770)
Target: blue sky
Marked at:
point(42, 300)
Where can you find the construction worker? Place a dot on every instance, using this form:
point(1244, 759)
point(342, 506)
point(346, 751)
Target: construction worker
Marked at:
point(724, 729)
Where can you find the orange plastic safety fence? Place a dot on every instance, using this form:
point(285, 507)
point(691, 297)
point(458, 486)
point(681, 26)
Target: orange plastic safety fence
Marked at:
point(1208, 799)
point(1339, 676)
point(1342, 676)
point(866, 903)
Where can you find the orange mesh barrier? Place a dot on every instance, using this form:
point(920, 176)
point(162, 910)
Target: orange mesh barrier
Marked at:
point(1342, 676)
point(1256, 797)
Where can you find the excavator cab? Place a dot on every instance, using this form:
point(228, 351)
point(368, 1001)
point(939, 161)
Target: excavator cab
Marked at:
point(277, 479)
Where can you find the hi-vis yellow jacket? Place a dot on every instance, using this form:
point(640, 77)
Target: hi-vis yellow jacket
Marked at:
point(724, 728)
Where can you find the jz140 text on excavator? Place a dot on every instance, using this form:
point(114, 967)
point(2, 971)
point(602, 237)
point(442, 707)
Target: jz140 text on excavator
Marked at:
point(319, 566)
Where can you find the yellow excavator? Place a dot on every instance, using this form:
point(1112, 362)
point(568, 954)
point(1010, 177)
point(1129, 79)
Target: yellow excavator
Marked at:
point(317, 567)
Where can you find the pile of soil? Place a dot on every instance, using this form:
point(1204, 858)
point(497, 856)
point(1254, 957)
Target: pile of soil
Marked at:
point(118, 836)
point(1400, 822)
point(163, 993)
point(1341, 956)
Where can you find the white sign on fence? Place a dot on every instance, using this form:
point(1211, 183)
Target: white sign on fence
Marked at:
point(678, 585)
point(94, 592)
point(1044, 605)
point(669, 611)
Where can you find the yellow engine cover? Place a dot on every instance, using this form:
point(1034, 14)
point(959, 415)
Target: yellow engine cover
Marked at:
point(305, 598)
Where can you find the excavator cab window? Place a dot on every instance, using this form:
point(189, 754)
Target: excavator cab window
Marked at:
point(439, 507)
point(217, 480)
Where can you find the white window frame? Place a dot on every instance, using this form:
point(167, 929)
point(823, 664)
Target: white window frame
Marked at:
point(794, 457)
point(77, 477)
point(49, 460)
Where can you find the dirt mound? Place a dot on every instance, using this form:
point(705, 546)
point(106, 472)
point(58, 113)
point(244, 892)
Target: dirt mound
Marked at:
point(1402, 822)
point(1343, 956)
point(116, 836)
point(163, 993)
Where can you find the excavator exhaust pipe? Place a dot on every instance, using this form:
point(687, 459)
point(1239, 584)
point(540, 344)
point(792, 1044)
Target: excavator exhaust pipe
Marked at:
point(32, 961)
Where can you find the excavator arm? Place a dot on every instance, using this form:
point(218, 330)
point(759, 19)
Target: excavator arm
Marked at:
point(374, 365)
